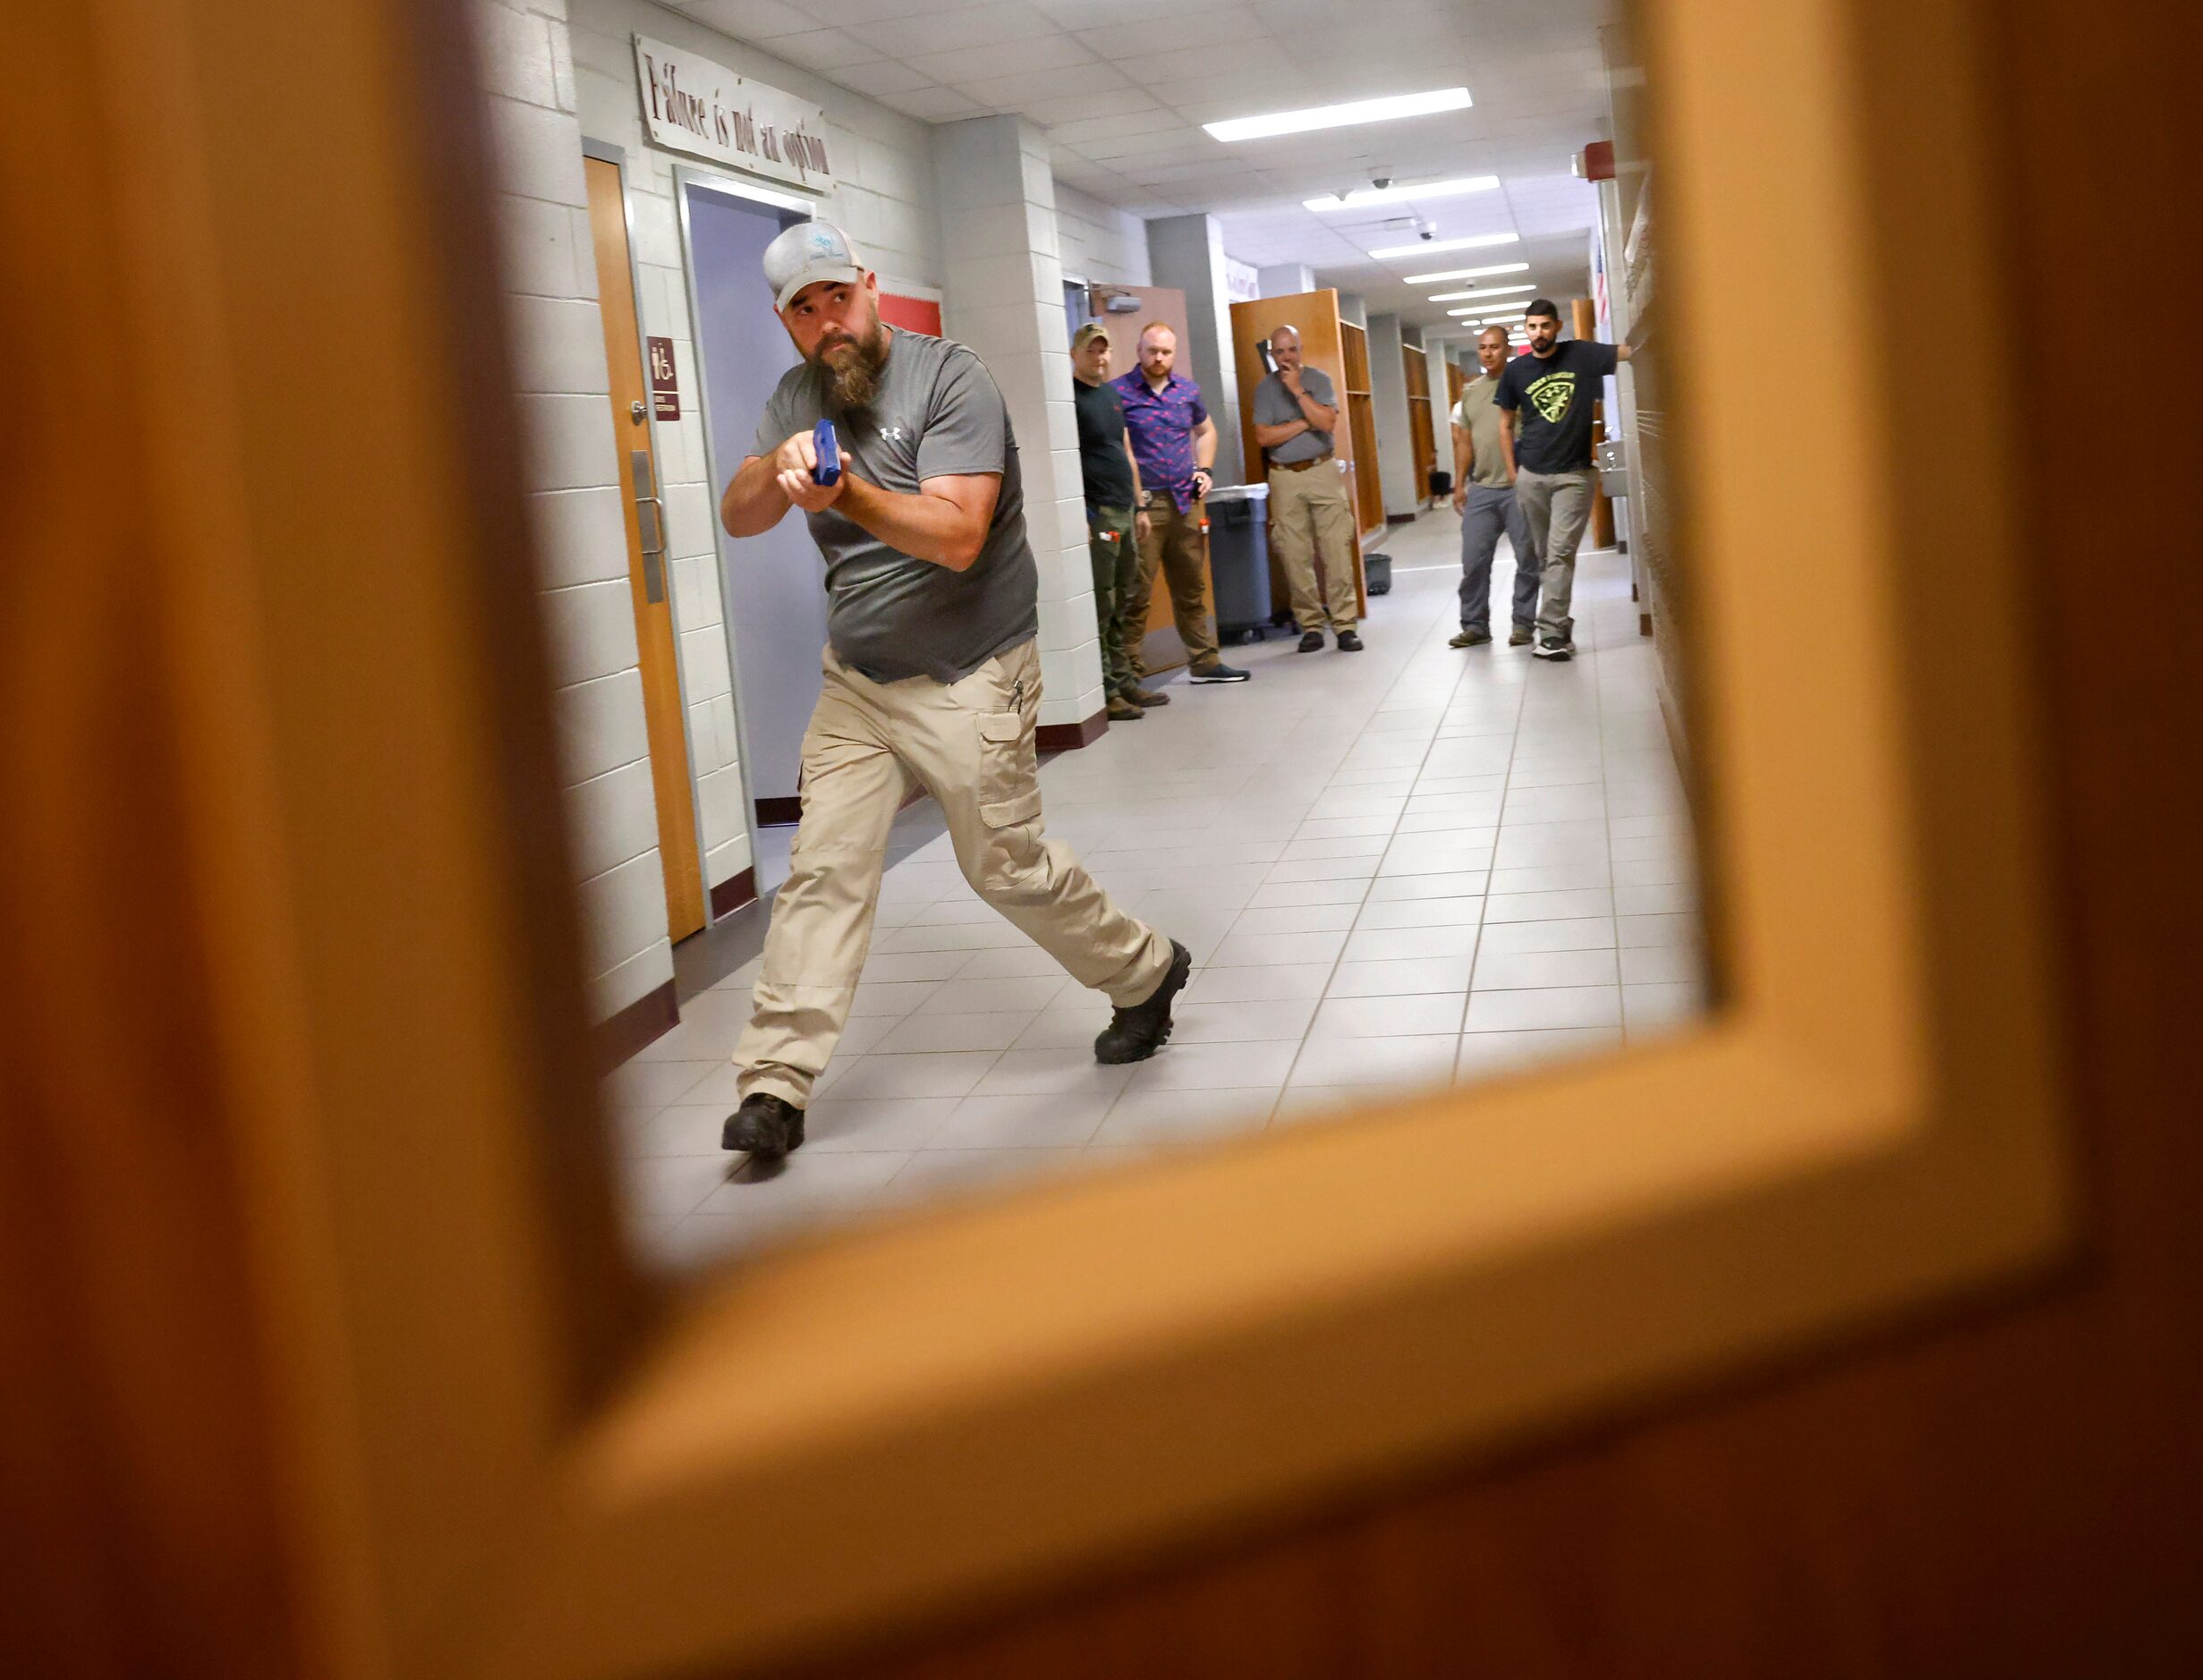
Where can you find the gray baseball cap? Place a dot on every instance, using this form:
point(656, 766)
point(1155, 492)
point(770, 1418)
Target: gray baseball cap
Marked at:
point(805, 254)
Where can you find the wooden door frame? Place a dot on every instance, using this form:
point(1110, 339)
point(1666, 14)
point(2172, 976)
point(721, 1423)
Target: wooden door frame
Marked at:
point(605, 152)
point(685, 174)
point(482, 1461)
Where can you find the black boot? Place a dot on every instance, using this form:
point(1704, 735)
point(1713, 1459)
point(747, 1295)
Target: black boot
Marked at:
point(1135, 1034)
point(767, 1126)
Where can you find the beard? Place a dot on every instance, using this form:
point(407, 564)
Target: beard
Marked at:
point(853, 382)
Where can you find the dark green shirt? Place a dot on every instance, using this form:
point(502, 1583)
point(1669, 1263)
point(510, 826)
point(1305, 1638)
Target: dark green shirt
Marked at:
point(1101, 445)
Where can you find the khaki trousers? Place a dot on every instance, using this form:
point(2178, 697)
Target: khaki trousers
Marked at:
point(1176, 546)
point(1312, 533)
point(970, 745)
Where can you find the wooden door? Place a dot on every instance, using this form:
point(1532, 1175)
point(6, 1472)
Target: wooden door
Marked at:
point(640, 490)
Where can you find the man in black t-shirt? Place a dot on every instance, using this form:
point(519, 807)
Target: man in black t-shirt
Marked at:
point(1114, 527)
point(1546, 399)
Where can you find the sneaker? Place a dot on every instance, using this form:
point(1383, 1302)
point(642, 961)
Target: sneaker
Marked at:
point(1554, 647)
point(1218, 672)
point(1470, 638)
point(1520, 636)
point(1311, 641)
point(1147, 697)
point(767, 1126)
point(1123, 711)
point(1350, 641)
point(1135, 1034)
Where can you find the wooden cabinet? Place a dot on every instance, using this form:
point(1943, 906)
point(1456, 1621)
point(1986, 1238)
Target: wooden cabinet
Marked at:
point(1362, 425)
point(1421, 434)
point(1339, 350)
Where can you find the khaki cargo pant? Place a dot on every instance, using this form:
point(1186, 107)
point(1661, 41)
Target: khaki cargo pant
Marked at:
point(970, 745)
point(1312, 533)
point(1176, 546)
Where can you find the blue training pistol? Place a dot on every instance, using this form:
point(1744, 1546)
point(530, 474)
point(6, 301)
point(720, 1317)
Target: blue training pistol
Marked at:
point(829, 448)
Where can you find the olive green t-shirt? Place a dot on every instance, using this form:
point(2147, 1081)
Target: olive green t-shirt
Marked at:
point(1476, 415)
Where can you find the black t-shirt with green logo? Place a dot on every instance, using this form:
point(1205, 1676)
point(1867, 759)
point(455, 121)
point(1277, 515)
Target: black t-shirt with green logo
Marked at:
point(1552, 399)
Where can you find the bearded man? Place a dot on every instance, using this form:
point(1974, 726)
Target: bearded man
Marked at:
point(933, 679)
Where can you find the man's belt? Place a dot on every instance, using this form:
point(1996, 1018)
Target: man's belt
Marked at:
point(1302, 466)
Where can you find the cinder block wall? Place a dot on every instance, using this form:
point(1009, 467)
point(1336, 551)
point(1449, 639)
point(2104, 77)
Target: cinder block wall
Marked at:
point(530, 114)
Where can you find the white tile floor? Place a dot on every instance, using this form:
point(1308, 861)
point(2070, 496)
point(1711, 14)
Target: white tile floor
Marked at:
point(1393, 870)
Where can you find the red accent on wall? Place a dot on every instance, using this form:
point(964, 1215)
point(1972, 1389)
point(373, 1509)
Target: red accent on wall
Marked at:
point(913, 315)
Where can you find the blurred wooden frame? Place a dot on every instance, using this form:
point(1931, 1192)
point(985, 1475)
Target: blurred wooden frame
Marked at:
point(473, 1448)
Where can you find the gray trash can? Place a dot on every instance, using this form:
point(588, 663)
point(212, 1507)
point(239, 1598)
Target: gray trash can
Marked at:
point(1239, 560)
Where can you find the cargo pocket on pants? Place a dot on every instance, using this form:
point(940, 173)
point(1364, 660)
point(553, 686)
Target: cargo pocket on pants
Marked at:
point(1009, 789)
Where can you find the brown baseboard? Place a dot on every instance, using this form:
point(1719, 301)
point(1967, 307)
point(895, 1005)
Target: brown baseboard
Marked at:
point(735, 891)
point(619, 1037)
point(779, 813)
point(1070, 737)
point(1402, 518)
point(1644, 623)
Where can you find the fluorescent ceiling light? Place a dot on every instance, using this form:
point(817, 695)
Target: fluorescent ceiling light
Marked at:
point(1384, 110)
point(1480, 291)
point(1468, 274)
point(1360, 196)
point(1432, 247)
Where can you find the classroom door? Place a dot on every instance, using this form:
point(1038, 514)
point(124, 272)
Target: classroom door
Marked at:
point(646, 555)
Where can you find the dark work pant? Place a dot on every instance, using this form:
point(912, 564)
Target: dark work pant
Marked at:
point(1489, 512)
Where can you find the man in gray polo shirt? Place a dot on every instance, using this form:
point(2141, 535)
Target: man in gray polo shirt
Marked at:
point(1310, 519)
point(933, 679)
point(1483, 495)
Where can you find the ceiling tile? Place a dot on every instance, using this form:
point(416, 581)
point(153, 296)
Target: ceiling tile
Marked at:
point(1225, 25)
point(1013, 93)
point(754, 20)
point(825, 51)
point(847, 14)
point(884, 77)
point(1003, 58)
point(932, 105)
point(969, 26)
point(1108, 103)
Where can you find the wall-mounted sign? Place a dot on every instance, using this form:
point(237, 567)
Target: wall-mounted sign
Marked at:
point(691, 105)
point(665, 379)
point(1243, 282)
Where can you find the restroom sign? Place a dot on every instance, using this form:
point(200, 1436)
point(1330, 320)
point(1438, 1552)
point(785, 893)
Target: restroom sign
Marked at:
point(665, 379)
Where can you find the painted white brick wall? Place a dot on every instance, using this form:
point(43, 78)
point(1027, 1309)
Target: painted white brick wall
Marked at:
point(882, 198)
point(996, 190)
point(572, 477)
point(1098, 241)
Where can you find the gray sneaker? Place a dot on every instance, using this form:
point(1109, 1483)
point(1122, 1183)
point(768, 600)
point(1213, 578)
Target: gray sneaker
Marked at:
point(1218, 672)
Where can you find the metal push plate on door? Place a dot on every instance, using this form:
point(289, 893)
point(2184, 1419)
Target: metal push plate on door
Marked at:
point(650, 522)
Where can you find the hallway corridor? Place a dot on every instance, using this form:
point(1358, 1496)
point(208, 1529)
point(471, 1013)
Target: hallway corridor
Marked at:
point(1395, 868)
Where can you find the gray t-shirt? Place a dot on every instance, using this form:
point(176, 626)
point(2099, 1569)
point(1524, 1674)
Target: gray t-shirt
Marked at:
point(939, 414)
point(1274, 405)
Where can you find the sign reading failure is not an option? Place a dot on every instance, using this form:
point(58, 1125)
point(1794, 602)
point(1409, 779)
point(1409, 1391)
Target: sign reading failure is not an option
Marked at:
point(691, 105)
